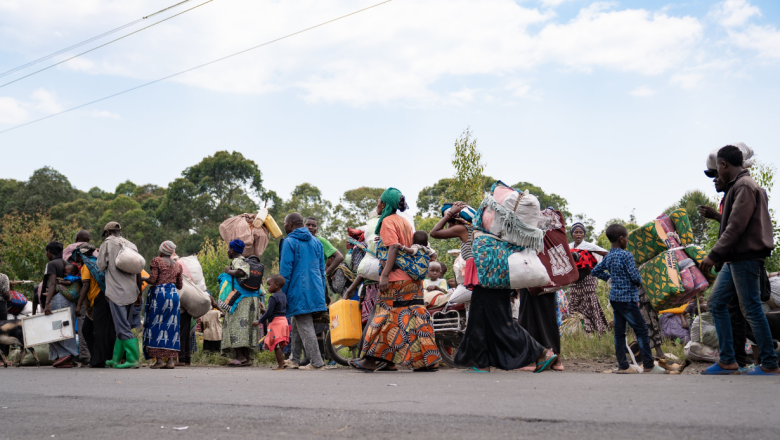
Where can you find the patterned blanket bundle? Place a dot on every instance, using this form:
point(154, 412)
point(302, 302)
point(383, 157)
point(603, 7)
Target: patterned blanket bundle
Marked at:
point(502, 265)
point(556, 258)
point(668, 261)
point(652, 238)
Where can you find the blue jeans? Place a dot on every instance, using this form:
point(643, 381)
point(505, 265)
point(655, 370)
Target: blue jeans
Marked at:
point(741, 279)
point(628, 313)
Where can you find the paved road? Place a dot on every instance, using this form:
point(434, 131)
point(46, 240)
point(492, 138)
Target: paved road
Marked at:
point(259, 403)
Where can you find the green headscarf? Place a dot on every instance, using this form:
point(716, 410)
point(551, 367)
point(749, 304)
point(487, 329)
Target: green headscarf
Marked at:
point(391, 197)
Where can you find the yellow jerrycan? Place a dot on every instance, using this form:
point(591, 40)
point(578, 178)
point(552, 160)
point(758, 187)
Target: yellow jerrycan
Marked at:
point(345, 322)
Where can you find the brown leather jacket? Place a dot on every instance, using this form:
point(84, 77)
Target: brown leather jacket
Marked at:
point(745, 227)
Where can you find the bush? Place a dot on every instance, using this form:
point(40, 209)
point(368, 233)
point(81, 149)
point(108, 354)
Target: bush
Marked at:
point(213, 259)
point(23, 239)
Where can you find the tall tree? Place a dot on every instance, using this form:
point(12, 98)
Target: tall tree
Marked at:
point(468, 180)
point(230, 180)
point(45, 188)
point(355, 206)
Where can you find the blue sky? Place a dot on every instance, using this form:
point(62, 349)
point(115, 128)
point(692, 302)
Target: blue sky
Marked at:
point(613, 105)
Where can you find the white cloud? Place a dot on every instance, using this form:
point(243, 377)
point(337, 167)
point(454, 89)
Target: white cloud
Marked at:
point(629, 40)
point(552, 3)
point(397, 52)
point(763, 39)
point(643, 92)
point(517, 87)
point(687, 80)
point(734, 13)
point(12, 112)
point(46, 102)
point(104, 114)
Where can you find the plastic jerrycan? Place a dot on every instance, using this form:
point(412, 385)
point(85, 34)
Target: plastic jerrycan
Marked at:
point(345, 322)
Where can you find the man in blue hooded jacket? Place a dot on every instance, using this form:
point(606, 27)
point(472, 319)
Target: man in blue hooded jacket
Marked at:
point(302, 264)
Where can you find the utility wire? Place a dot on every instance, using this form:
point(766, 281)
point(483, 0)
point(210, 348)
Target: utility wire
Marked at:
point(193, 68)
point(105, 44)
point(31, 63)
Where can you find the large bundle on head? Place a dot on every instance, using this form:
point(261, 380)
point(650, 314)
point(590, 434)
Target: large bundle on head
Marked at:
point(668, 261)
point(556, 258)
point(241, 227)
point(505, 253)
point(512, 216)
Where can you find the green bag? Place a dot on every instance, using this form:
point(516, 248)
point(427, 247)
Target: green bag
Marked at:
point(662, 281)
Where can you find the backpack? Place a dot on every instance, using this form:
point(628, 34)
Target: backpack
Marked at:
point(255, 280)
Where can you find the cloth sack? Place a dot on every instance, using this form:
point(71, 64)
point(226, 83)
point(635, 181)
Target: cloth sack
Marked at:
point(511, 216)
point(16, 304)
point(128, 260)
point(461, 295)
point(370, 268)
point(191, 268)
point(237, 227)
point(502, 265)
point(192, 299)
point(651, 239)
point(709, 336)
point(556, 258)
point(697, 254)
point(415, 265)
point(699, 352)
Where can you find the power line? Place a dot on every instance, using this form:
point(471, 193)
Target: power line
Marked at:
point(193, 68)
point(31, 63)
point(105, 44)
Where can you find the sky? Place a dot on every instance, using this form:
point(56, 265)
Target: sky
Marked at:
point(612, 105)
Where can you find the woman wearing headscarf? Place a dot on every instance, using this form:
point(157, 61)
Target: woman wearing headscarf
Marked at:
point(162, 327)
point(400, 332)
point(582, 293)
point(241, 307)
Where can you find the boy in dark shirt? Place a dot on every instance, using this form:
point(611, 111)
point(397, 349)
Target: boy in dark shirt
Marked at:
point(275, 320)
point(620, 267)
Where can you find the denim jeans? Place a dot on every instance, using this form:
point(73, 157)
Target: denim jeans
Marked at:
point(629, 313)
point(743, 280)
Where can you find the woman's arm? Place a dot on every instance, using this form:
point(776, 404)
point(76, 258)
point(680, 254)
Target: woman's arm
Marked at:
point(454, 231)
point(82, 295)
point(268, 313)
point(153, 274)
point(52, 290)
point(179, 278)
point(351, 289)
point(235, 273)
point(337, 259)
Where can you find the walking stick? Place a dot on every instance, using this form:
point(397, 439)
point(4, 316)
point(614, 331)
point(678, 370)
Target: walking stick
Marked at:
point(698, 306)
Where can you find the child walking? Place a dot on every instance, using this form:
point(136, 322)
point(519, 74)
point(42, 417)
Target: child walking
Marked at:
point(620, 267)
point(275, 319)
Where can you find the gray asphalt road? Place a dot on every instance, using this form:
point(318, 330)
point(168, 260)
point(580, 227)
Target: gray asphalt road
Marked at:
point(259, 403)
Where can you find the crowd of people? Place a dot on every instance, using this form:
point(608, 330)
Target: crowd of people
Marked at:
point(507, 329)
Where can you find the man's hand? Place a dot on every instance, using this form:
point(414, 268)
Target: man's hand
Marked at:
point(256, 323)
point(384, 283)
point(78, 310)
point(47, 310)
point(708, 212)
point(706, 265)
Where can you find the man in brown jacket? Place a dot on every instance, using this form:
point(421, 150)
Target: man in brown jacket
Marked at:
point(744, 241)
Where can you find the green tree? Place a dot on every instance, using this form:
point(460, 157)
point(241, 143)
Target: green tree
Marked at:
point(45, 188)
point(230, 180)
point(355, 206)
point(764, 175)
point(590, 227)
point(630, 224)
point(468, 181)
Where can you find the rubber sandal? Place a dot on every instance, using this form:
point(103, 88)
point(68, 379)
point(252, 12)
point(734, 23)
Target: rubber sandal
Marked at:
point(716, 370)
point(476, 370)
point(359, 367)
point(425, 370)
point(557, 367)
point(546, 364)
point(234, 363)
point(386, 368)
point(758, 371)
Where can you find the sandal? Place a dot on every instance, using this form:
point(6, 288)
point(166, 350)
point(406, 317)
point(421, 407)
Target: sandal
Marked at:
point(388, 368)
point(546, 364)
point(359, 367)
point(425, 370)
point(557, 367)
point(716, 370)
point(476, 370)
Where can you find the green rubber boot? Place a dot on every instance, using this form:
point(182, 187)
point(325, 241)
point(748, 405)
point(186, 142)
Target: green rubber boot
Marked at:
point(119, 349)
point(131, 354)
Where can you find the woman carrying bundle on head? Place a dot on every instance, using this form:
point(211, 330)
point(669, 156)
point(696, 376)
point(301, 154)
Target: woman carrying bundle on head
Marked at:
point(582, 293)
point(400, 331)
point(492, 338)
point(162, 326)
